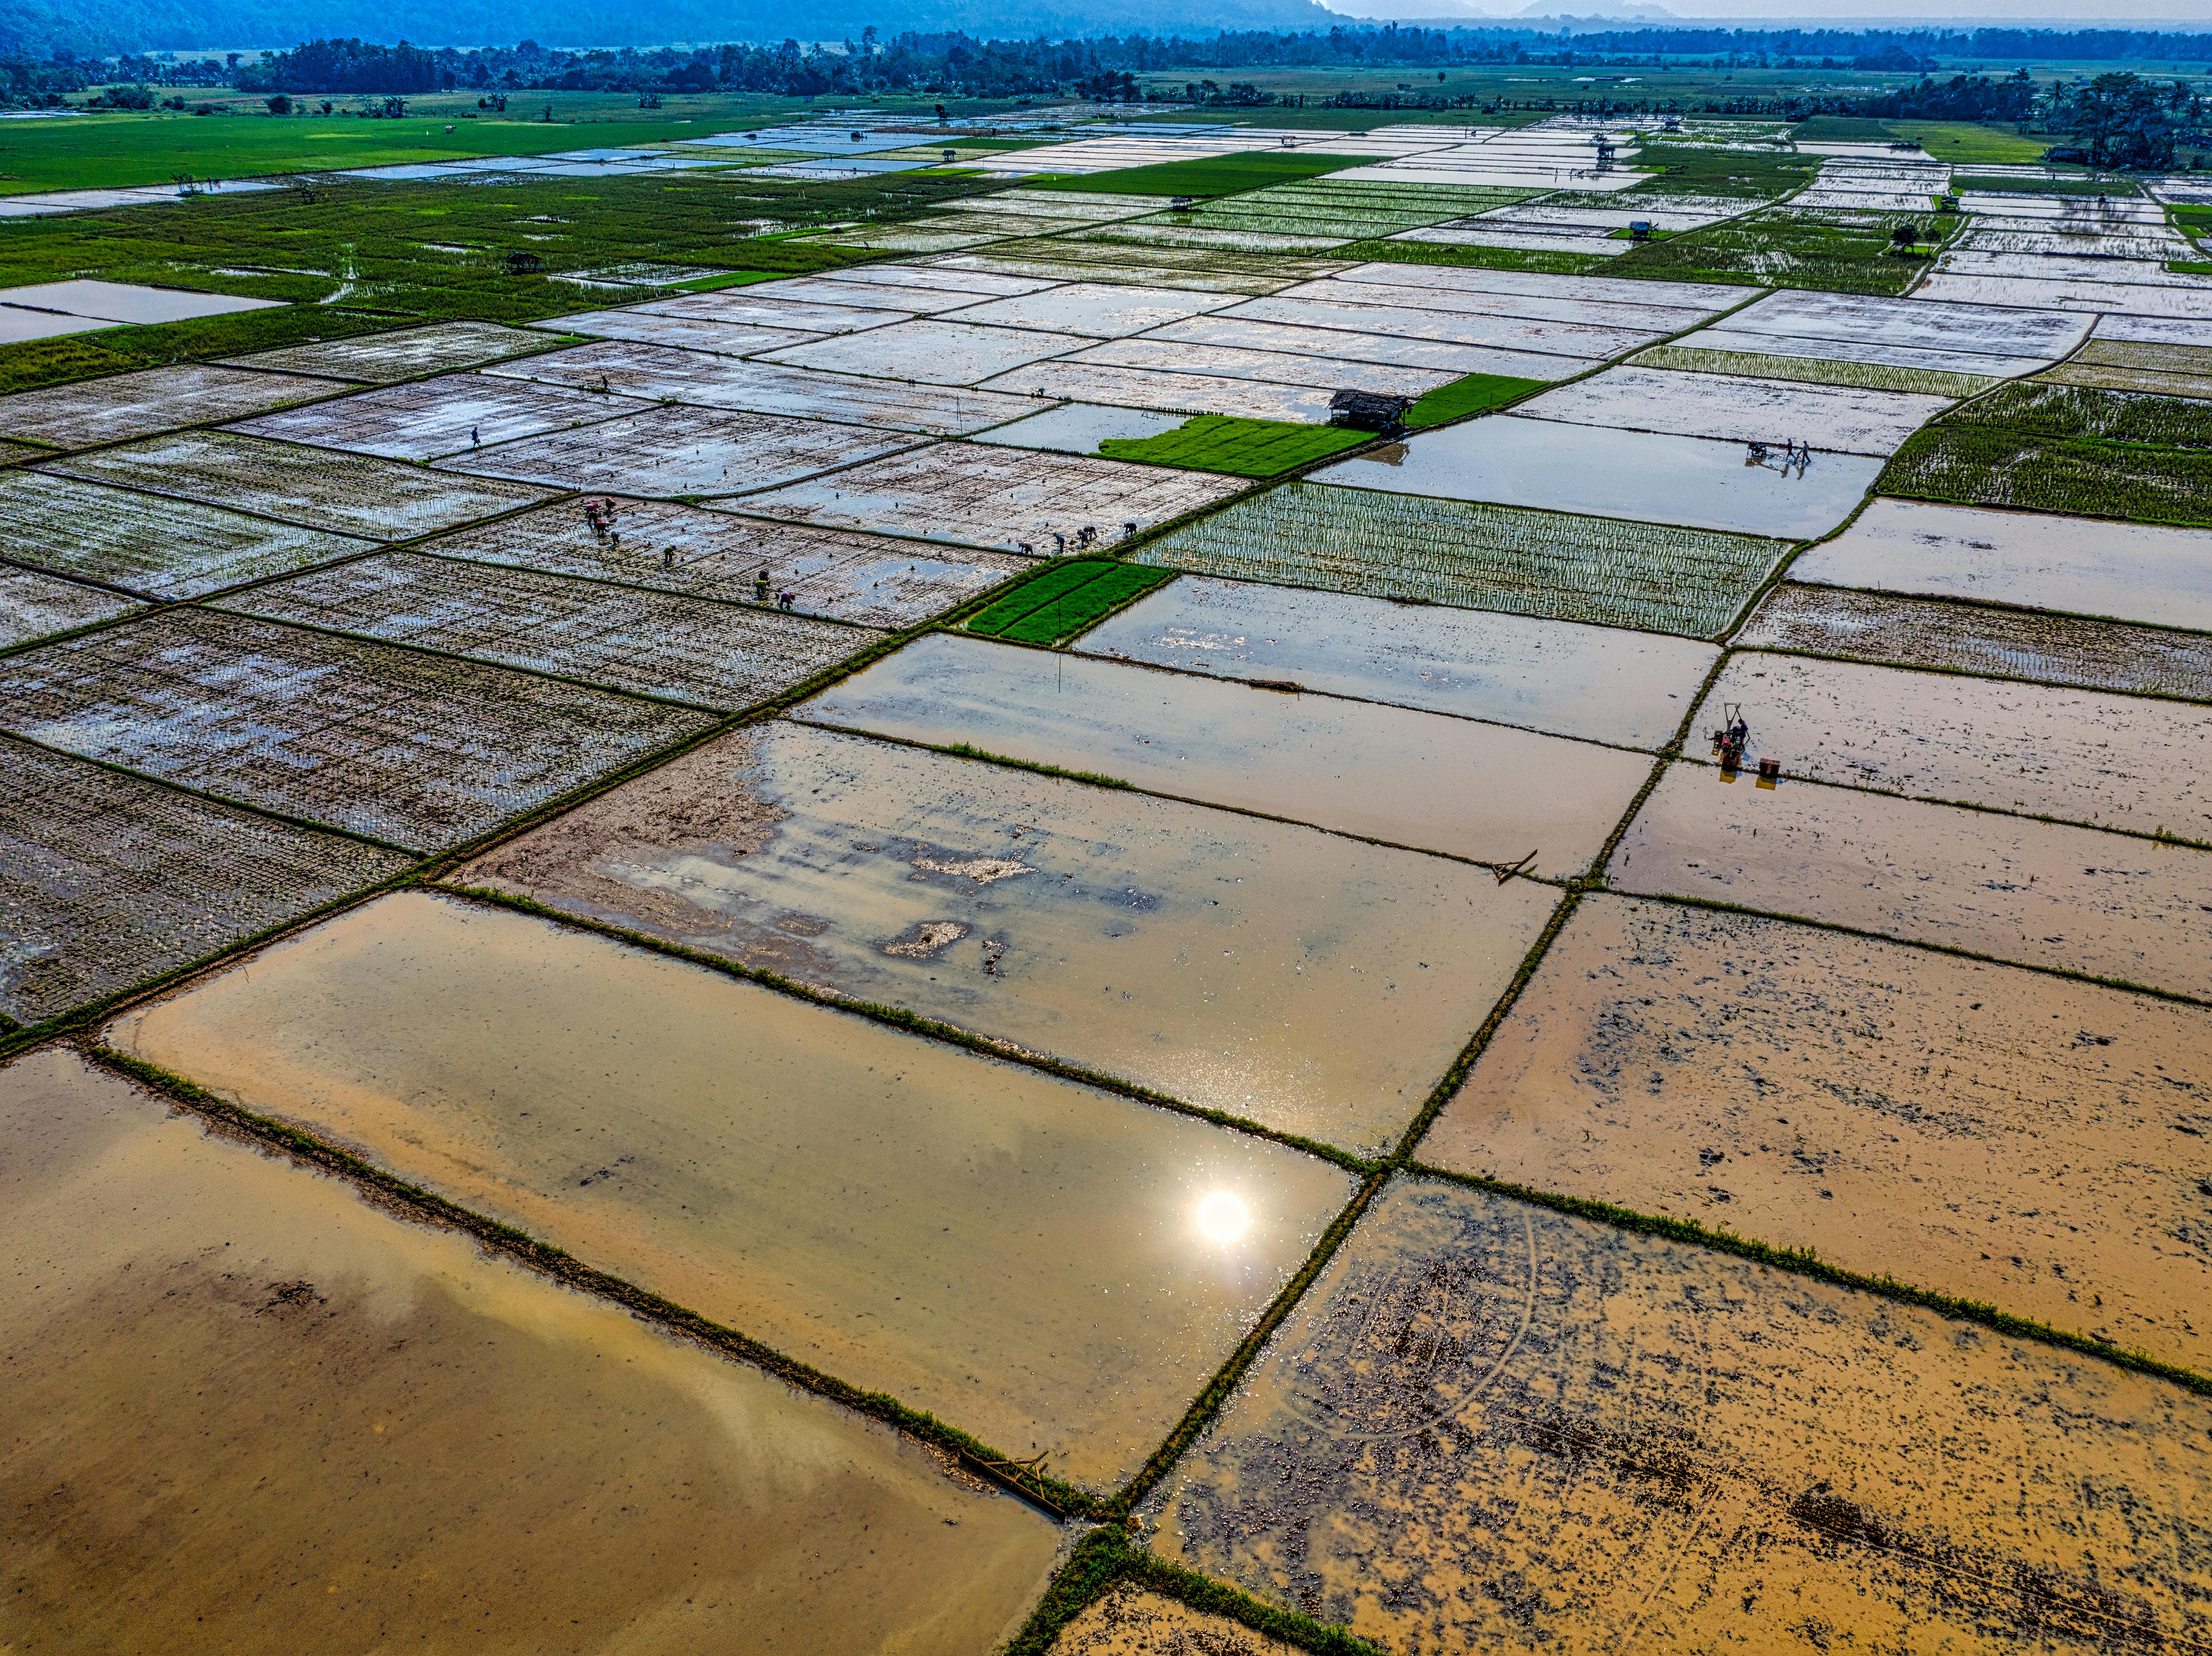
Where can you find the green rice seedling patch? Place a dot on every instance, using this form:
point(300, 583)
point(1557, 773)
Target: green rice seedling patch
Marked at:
point(1607, 571)
point(1998, 184)
point(1242, 448)
point(2066, 449)
point(1816, 370)
point(1064, 617)
point(1841, 129)
point(1482, 259)
point(36, 362)
point(1830, 250)
point(1969, 141)
point(1213, 175)
point(107, 879)
point(1695, 170)
point(1471, 393)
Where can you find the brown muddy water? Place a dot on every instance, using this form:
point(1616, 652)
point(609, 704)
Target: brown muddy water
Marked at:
point(2042, 894)
point(2111, 761)
point(1308, 982)
point(1996, 1134)
point(1051, 1268)
point(248, 1412)
point(1409, 778)
point(1490, 1426)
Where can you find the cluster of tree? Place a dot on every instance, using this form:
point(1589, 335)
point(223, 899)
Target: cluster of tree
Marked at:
point(2123, 120)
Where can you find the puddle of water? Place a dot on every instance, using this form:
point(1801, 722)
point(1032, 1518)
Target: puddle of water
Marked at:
point(1317, 985)
point(1079, 427)
point(1410, 778)
point(1494, 1427)
point(2044, 894)
point(1558, 677)
point(2110, 761)
point(1996, 1134)
point(272, 1418)
point(2060, 649)
point(2128, 571)
point(1018, 1254)
point(1625, 474)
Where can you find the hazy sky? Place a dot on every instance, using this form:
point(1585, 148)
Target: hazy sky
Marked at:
point(2086, 13)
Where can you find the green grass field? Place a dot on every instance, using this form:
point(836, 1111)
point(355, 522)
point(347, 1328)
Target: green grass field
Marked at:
point(1215, 175)
point(1240, 448)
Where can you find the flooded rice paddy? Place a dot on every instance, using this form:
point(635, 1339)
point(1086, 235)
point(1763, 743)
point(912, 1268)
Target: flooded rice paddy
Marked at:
point(2042, 894)
point(2003, 1137)
point(432, 418)
point(1019, 1255)
point(2124, 571)
point(2058, 649)
point(2111, 761)
point(420, 750)
point(382, 358)
point(32, 605)
point(1478, 791)
point(1317, 985)
point(137, 405)
point(1598, 683)
point(270, 1417)
point(1490, 1426)
point(688, 649)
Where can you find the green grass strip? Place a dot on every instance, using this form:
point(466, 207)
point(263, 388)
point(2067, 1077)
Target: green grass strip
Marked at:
point(1471, 393)
point(1239, 446)
point(1085, 607)
point(1054, 580)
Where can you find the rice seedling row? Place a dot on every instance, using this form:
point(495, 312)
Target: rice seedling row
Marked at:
point(430, 418)
point(32, 605)
point(1815, 370)
point(107, 879)
point(125, 405)
point(419, 750)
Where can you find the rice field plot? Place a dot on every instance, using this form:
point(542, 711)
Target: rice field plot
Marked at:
point(1690, 481)
point(1347, 212)
point(34, 605)
point(2066, 449)
point(1062, 598)
point(1382, 773)
point(878, 1206)
point(1554, 564)
point(155, 399)
point(761, 307)
point(2122, 329)
point(385, 358)
point(1436, 285)
point(2039, 894)
point(418, 750)
point(205, 1290)
point(2122, 571)
point(1342, 344)
point(673, 450)
point(681, 333)
point(1157, 356)
point(1167, 391)
point(1744, 410)
point(920, 288)
point(1065, 260)
point(656, 373)
point(1566, 680)
point(1613, 314)
point(1917, 328)
point(426, 419)
point(871, 579)
point(1832, 249)
point(2055, 649)
point(690, 649)
point(2048, 1112)
point(1096, 310)
point(1814, 370)
point(2164, 370)
point(2070, 755)
point(345, 494)
point(1127, 934)
point(935, 350)
point(1583, 341)
point(1013, 499)
point(149, 545)
point(1244, 448)
point(1179, 233)
point(1493, 1426)
point(107, 879)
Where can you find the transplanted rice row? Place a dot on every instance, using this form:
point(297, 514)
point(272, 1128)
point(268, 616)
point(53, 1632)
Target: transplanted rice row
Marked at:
point(1814, 370)
point(1606, 570)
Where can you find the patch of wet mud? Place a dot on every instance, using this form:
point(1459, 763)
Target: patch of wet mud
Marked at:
point(1994, 1135)
point(2043, 894)
point(1312, 983)
point(1492, 1427)
point(1130, 1622)
point(1016, 1254)
point(250, 1413)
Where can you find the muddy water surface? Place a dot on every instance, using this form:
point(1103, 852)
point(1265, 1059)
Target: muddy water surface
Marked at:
point(1410, 778)
point(1560, 677)
point(250, 1413)
point(1311, 983)
point(1996, 1134)
point(2043, 894)
point(1018, 1254)
point(1494, 1427)
point(2113, 761)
